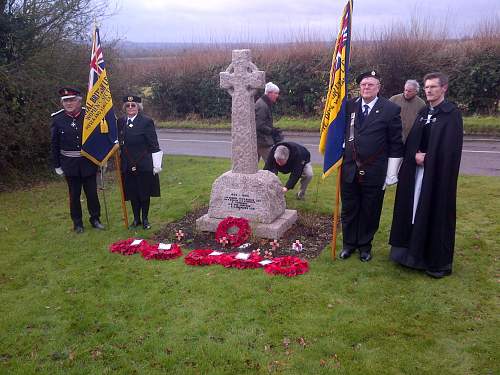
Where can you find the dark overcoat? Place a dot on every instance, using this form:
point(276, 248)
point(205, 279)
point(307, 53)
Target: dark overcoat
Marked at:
point(137, 143)
point(264, 121)
point(429, 243)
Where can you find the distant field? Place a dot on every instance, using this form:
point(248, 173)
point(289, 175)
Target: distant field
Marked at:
point(487, 125)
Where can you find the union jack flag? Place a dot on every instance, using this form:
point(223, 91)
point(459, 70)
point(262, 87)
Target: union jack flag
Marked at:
point(100, 133)
point(334, 115)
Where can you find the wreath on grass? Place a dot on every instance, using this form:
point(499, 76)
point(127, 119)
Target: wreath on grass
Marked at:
point(201, 257)
point(129, 246)
point(288, 266)
point(234, 239)
point(159, 253)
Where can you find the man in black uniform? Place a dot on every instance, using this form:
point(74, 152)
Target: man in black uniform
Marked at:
point(373, 153)
point(66, 140)
point(290, 157)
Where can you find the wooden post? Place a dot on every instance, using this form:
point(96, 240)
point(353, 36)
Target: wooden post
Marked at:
point(336, 216)
point(120, 179)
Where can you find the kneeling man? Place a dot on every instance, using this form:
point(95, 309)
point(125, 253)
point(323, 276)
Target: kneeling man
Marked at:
point(290, 157)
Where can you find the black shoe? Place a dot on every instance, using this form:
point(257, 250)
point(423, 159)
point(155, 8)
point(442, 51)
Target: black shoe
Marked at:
point(438, 274)
point(135, 223)
point(145, 224)
point(97, 224)
point(78, 229)
point(346, 253)
point(365, 256)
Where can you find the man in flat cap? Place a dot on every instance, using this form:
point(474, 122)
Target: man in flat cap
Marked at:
point(373, 153)
point(264, 120)
point(66, 142)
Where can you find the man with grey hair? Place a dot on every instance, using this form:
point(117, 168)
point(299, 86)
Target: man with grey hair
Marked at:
point(410, 104)
point(290, 157)
point(264, 120)
point(80, 172)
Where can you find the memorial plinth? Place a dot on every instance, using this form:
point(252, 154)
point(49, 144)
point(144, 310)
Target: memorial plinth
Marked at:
point(245, 191)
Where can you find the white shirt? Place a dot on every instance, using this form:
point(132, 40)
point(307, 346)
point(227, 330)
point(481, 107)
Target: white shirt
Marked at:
point(370, 105)
point(131, 118)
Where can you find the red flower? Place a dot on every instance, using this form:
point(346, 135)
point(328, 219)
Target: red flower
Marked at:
point(237, 238)
point(154, 252)
point(288, 266)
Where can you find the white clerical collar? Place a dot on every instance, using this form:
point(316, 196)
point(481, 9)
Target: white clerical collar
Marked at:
point(370, 105)
point(132, 118)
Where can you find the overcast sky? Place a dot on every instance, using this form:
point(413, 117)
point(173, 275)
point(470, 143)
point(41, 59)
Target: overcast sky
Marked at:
point(280, 20)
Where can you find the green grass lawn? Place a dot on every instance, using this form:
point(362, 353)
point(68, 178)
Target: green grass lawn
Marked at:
point(68, 306)
point(487, 125)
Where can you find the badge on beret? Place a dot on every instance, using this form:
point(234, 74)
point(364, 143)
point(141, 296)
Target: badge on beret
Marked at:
point(130, 98)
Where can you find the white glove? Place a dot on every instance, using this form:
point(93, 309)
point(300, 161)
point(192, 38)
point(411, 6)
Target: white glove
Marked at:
point(392, 171)
point(157, 159)
point(59, 171)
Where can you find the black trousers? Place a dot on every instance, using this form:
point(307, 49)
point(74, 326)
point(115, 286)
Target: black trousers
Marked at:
point(361, 209)
point(89, 184)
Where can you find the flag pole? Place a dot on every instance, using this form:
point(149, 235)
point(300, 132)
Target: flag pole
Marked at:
point(336, 216)
point(120, 180)
point(104, 195)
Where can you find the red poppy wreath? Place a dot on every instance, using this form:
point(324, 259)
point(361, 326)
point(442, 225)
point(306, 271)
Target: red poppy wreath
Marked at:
point(162, 252)
point(129, 246)
point(234, 239)
point(288, 266)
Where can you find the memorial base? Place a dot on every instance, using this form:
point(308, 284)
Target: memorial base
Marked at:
point(272, 230)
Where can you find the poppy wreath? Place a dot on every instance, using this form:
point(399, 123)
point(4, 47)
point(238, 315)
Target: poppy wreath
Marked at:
point(233, 262)
point(287, 266)
point(238, 238)
point(124, 246)
point(153, 252)
point(201, 257)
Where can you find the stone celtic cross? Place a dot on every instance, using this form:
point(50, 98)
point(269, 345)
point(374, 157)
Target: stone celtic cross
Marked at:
point(241, 79)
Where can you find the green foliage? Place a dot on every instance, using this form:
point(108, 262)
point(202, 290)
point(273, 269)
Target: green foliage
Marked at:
point(184, 93)
point(68, 306)
point(40, 53)
point(303, 75)
point(477, 82)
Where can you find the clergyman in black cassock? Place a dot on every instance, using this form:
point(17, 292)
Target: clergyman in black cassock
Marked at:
point(373, 152)
point(423, 226)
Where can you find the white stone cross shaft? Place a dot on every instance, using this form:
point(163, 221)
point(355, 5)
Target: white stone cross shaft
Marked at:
point(241, 79)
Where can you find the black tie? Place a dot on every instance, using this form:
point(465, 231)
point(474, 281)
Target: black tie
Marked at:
point(364, 115)
point(129, 122)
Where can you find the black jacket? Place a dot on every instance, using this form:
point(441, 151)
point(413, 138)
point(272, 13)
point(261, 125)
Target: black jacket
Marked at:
point(66, 135)
point(137, 143)
point(376, 140)
point(264, 121)
point(299, 157)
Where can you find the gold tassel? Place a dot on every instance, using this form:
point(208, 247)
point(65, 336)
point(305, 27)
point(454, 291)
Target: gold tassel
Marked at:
point(104, 126)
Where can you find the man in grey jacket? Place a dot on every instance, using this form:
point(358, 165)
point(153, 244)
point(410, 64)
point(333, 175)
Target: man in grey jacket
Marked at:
point(264, 120)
